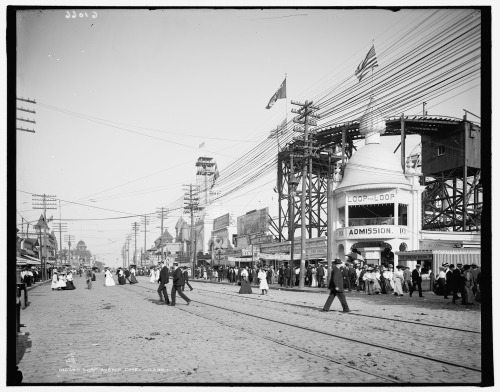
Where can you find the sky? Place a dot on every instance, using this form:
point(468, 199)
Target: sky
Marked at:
point(126, 97)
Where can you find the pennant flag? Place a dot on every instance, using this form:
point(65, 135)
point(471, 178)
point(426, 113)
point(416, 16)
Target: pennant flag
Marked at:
point(281, 93)
point(368, 63)
point(201, 145)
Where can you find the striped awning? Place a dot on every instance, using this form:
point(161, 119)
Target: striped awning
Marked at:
point(21, 261)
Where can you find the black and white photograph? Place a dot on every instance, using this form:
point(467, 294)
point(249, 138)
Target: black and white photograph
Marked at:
point(249, 195)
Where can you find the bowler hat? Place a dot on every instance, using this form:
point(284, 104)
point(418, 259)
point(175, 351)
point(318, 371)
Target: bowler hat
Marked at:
point(337, 261)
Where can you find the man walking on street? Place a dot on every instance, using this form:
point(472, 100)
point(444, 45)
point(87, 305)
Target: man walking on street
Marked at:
point(178, 281)
point(336, 287)
point(416, 279)
point(162, 288)
point(185, 274)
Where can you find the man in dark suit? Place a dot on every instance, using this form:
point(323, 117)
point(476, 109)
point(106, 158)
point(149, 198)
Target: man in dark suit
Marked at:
point(185, 274)
point(162, 288)
point(336, 287)
point(345, 275)
point(416, 280)
point(178, 282)
point(288, 276)
point(321, 274)
point(281, 273)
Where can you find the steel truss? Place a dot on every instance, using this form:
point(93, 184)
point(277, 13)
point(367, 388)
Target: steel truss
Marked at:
point(443, 198)
point(444, 207)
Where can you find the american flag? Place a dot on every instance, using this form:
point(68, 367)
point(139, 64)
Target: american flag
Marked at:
point(281, 93)
point(368, 63)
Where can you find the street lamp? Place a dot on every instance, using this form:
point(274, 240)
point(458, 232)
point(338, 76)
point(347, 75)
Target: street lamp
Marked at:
point(292, 185)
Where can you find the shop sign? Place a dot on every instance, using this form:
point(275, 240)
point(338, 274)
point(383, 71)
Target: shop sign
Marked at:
point(384, 231)
point(366, 197)
point(262, 239)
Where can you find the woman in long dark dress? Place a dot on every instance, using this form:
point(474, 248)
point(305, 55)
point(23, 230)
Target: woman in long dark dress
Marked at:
point(69, 281)
point(245, 284)
point(121, 277)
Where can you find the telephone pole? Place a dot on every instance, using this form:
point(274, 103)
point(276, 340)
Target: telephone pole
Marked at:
point(191, 204)
point(135, 228)
point(45, 202)
point(68, 238)
point(306, 118)
point(26, 110)
point(145, 223)
point(61, 228)
point(128, 251)
point(162, 213)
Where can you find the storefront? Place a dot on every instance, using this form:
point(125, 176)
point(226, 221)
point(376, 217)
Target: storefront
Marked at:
point(433, 259)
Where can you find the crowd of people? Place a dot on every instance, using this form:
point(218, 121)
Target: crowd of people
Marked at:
point(461, 281)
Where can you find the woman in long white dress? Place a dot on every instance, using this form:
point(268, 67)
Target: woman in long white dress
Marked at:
point(61, 281)
point(262, 276)
point(108, 281)
point(54, 280)
point(157, 274)
point(314, 281)
point(151, 275)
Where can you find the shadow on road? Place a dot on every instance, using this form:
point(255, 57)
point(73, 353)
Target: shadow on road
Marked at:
point(23, 343)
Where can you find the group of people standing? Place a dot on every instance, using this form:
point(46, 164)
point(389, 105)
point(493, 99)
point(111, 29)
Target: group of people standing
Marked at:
point(62, 280)
point(30, 275)
point(463, 279)
point(262, 279)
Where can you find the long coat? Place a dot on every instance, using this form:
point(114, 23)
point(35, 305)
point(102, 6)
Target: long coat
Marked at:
point(163, 275)
point(336, 280)
point(178, 278)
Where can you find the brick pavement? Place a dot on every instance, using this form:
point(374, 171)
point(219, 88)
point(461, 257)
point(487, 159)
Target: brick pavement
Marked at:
point(123, 334)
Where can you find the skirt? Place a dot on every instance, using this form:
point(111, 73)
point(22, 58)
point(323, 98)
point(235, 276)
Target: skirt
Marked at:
point(70, 285)
point(245, 287)
point(133, 279)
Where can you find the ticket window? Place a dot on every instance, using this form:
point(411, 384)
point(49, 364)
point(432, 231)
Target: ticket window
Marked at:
point(372, 214)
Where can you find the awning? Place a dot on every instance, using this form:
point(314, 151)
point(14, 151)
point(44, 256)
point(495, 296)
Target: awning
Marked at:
point(463, 256)
point(450, 256)
point(25, 260)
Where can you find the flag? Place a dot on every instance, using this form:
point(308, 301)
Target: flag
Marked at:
point(201, 145)
point(281, 93)
point(368, 63)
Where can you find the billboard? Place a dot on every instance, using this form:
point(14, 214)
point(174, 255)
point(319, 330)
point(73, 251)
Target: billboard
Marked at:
point(253, 222)
point(221, 222)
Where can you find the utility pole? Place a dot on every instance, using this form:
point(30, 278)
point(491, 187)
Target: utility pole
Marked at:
point(135, 228)
point(191, 204)
point(162, 213)
point(145, 223)
point(61, 228)
point(45, 202)
point(28, 120)
point(128, 251)
point(305, 117)
point(68, 238)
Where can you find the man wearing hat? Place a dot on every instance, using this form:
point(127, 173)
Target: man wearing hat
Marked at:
point(416, 280)
point(178, 282)
point(163, 280)
point(336, 287)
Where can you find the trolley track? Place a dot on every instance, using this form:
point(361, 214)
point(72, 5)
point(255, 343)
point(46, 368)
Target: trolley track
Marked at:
point(343, 338)
point(448, 328)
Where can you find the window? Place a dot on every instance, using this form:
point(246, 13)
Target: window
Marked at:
point(440, 151)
